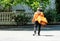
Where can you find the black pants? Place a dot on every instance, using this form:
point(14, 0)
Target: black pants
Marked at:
point(37, 26)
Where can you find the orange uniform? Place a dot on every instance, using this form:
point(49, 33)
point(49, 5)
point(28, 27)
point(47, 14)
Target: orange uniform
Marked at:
point(39, 16)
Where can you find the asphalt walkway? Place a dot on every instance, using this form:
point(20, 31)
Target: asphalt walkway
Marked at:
point(25, 33)
point(27, 36)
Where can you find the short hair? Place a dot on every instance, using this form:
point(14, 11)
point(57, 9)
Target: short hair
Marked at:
point(39, 9)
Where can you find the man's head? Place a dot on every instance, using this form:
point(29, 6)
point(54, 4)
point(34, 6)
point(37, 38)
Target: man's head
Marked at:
point(39, 9)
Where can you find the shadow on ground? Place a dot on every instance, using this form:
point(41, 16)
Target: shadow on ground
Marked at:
point(47, 35)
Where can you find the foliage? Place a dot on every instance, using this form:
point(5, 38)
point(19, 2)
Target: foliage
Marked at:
point(34, 4)
point(58, 17)
point(51, 15)
point(58, 6)
point(5, 4)
point(22, 19)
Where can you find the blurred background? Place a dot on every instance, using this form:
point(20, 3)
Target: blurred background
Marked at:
point(20, 12)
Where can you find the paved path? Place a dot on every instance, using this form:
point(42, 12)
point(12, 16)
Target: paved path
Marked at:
point(49, 33)
point(27, 36)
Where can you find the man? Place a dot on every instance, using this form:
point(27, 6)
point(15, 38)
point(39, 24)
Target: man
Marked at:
point(37, 21)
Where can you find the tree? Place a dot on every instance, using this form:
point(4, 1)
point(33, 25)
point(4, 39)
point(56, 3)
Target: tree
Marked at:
point(34, 4)
point(58, 6)
point(6, 4)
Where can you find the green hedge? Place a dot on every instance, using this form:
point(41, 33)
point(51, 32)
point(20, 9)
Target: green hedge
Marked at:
point(52, 16)
point(22, 19)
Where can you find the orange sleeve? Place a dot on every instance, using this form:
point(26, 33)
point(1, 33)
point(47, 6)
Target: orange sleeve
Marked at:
point(34, 17)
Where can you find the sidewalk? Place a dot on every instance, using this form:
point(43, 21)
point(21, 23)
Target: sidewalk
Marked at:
point(25, 33)
point(27, 36)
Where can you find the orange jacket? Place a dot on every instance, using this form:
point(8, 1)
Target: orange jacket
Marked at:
point(39, 16)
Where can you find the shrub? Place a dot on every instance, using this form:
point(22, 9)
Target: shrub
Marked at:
point(22, 19)
point(58, 17)
point(51, 15)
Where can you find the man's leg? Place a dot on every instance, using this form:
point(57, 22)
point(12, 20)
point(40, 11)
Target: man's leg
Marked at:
point(35, 28)
point(39, 29)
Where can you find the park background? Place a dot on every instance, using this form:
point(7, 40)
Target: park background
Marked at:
point(20, 12)
point(16, 16)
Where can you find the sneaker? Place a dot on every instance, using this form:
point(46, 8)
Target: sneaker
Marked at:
point(38, 34)
point(34, 34)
